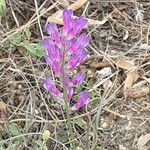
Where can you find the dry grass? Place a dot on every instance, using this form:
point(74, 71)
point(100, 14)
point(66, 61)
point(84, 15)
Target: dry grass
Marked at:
point(110, 121)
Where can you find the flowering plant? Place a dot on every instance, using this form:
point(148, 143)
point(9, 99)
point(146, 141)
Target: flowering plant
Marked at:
point(66, 48)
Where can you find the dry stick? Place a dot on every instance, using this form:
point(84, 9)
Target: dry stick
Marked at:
point(147, 34)
point(14, 15)
point(91, 22)
point(76, 5)
point(38, 18)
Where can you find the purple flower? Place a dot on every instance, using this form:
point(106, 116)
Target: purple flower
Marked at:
point(77, 26)
point(70, 92)
point(68, 81)
point(75, 45)
point(53, 51)
point(47, 43)
point(67, 20)
point(75, 60)
point(52, 30)
point(56, 66)
point(66, 48)
point(78, 79)
point(82, 101)
point(83, 40)
point(72, 26)
point(50, 86)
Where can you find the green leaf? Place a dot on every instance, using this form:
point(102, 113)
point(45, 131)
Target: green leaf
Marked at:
point(21, 37)
point(2, 7)
point(27, 34)
point(16, 39)
point(36, 49)
point(13, 129)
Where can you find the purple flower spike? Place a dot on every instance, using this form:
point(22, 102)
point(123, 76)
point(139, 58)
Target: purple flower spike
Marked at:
point(50, 86)
point(66, 49)
point(78, 79)
point(68, 81)
point(82, 101)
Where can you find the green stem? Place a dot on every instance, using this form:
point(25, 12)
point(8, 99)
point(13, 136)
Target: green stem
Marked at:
point(71, 136)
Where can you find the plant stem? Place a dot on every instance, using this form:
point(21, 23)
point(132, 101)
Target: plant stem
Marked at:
point(66, 102)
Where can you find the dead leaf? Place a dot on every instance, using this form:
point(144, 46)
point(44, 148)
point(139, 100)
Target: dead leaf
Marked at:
point(76, 5)
point(57, 17)
point(59, 20)
point(132, 76)
point(140, 92)
point(124, 64)
point(101, 64)
point(143, 139)
point(141, 83)
point(88, 59)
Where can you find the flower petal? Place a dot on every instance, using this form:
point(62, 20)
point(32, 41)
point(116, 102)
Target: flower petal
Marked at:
point(56, 66)
point(75, 60)
point(76, 44)
point(47, 44)
point(67, 19)
point(53, 51)
point(77, 26)
point(50, 86)
point(83, 40)
point(52, 30)
point(82, 101)
point(78, 79)
point(70, 92)
point(68, 82)
point(72, 26)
